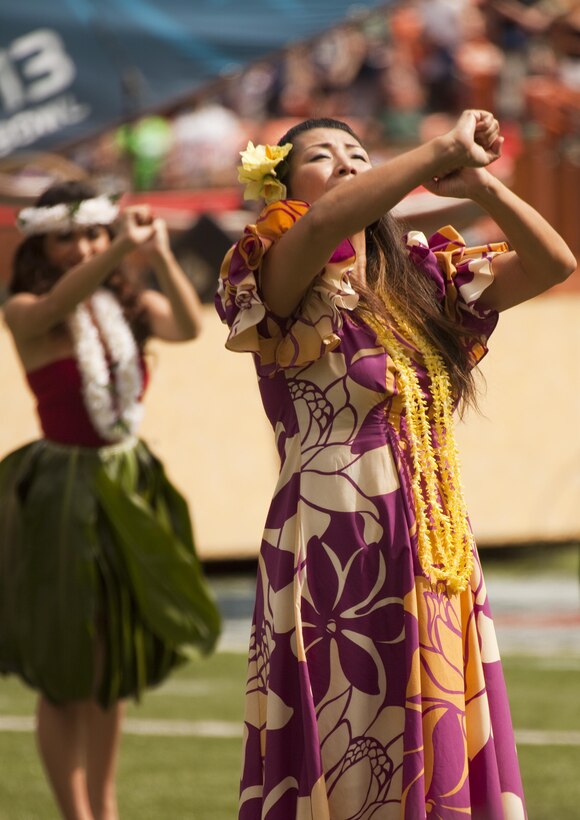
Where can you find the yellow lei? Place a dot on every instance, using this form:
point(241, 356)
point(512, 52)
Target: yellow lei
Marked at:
point(445, 540)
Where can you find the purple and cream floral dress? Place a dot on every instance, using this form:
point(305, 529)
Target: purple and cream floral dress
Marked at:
point(369, 695)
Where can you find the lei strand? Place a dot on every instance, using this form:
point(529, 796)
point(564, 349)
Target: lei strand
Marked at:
point(444, 537)
point(111, 393)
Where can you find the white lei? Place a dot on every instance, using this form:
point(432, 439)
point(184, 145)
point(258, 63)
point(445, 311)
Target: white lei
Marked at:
point(111, 394)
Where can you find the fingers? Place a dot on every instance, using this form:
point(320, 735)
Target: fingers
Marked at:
point(483, 118)
point(481, 137)
point(494, 150)
point(136, 223)
point(159, 228)
point(467, 122)
point(159, 224)
point(139, 214)
point(487, 135)
point(142, 228)
point(487, 128)
point(158, 239)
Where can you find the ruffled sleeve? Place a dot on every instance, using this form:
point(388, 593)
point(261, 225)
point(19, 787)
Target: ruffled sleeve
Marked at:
point(314, 328)
point(460, 275)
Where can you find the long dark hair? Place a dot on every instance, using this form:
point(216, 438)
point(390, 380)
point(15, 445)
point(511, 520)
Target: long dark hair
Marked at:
point(32, 273)
point(392, 278)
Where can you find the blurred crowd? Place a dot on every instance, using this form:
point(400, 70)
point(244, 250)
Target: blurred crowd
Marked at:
point(396, 74)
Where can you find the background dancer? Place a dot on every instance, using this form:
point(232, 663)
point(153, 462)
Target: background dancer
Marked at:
point(101, 592)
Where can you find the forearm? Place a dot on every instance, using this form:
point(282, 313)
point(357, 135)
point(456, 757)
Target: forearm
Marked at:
point(354, 198)
point(372, 194)
point(73, 287)
point(343, 212)
point(543, 254)
point(79, 282)
point(184, 302)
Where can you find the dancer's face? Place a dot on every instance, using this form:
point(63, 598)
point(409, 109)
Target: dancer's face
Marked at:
point(67, 249)
point(323, 158)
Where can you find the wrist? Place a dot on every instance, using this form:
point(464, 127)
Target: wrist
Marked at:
point(449, 154)
point(123, 244)
point(161, 257)
point(486, 190)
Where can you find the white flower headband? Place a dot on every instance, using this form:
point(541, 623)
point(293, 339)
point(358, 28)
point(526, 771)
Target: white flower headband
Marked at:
point(258, 171)
point(100, 210)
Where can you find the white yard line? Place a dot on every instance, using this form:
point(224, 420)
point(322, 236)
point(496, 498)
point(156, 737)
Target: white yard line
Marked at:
point(225, 729)
point(133, 726)
point(184, 688)
point(547, 737)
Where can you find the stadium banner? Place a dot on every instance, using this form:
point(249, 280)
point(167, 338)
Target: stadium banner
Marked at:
point(72, 68)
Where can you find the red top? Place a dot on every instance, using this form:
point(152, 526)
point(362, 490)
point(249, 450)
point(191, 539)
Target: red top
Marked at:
point(63, 416)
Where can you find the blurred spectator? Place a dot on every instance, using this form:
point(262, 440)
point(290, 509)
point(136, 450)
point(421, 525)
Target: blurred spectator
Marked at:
point(204, 142)
point(387, 71)
point(441, 30)
point(404, 95)
point(146, 143)
point(250, 96)
point(478, 62)
point(337, 57)
point(300, 91)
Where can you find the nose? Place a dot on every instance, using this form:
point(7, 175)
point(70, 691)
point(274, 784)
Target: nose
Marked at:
point(81, 249)
point(346, 167)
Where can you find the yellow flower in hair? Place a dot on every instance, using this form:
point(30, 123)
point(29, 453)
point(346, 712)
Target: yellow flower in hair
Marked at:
point(258, 160)
point(258, 171)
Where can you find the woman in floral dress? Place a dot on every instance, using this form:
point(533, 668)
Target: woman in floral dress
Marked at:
point(375, 687)
point(101, 592)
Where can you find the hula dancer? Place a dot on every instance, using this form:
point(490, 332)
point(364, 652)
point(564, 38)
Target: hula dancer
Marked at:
point(101, 592)
point(373, 651)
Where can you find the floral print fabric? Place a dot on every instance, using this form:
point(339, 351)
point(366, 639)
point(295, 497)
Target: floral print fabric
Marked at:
point(312, 331)
point(368, 694)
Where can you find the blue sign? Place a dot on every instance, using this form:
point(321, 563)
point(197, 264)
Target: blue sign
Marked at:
point(71, 68)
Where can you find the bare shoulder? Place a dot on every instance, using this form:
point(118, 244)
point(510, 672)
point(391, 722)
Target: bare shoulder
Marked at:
point(35, 348)
point(16, 307)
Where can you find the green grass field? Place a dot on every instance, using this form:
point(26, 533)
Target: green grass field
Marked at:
point(160, 778)
point(196, 778)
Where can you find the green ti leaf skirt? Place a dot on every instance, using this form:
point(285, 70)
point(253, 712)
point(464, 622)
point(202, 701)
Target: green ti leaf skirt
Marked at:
point(101, 592)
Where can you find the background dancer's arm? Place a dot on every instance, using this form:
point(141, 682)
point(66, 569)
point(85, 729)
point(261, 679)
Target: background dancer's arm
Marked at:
point(176, 314)
point(29, 315)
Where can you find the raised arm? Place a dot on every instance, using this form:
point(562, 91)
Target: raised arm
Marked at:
point(540, 258)
point(362, 197)
point(175, 315)
point(29, 315)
